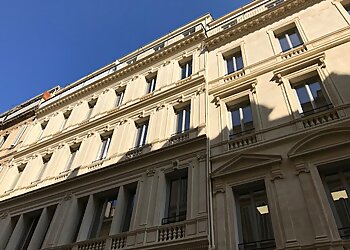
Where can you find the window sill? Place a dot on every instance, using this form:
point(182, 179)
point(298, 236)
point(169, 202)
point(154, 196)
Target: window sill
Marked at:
point(293, 52)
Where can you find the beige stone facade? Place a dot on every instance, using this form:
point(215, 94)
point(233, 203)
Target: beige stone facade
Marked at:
point(224, 134)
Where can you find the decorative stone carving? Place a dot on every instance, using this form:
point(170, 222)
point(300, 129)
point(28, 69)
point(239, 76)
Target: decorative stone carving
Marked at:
point(4, 214)
point(279, 79)
point(150, 172)
point(301, 168)
point(217, 101)
point(321, 62)
point(201, 157)
point(219, 188)
point(276, 174)
point(68, 196)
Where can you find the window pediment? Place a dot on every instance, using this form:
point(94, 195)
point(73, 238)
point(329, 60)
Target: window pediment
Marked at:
point(246, 161)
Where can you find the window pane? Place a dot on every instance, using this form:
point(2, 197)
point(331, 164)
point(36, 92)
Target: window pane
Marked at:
point(264, 225)
point(295, 39)
point(304, 99)
point(189, 68)
point(229, 64)
point(247, 118)
point(183, 71)
point(318, 95)
point(246, 218)
point(236, 121)
point(183, 198)
point(187, 119)
point(284, 43)
point(239, 61)
point(179, 120)
point(173, 199)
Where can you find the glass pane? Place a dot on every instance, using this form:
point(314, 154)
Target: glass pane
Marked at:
point(183, 71)
point(247, 118)
point(144, 134)
point(295, 38)
point(183, 199)
point(246, 218)
point(318, 95)
point(139, 136)
point(179, 121)
point(187, 119)
point(236, 121)
point(174, 194)
point(189, 68)
point(304, 99)
point(239, 61)
point(284, 43)
point(229, 64)
point(262, 214)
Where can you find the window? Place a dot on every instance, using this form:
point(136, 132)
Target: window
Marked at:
point(73, 153)
point(234, 62)
point(229, 25)
point(337, 186)
point(347, 8)
point(274, 4)
point(105, 143)
point(3, 140)
point(159, 46)
point(43, 126)
point(45, 160)
point(289, 39)
point(254, 221)
point(91, 105)
point(19, 135)
point(130, 193)
point(66, 115)
point(186, 69)
point(151, 84)
point(189, 31)
point(20, 170)
point(311, 96)
point(119, 98)
point(131, 61)
point(141, 135)
point(240, 118)
point(176, 197)
point(183, 119)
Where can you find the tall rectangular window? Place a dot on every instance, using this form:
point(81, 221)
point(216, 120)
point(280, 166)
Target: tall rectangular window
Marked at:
point(3, 139)
point(141, 135)
point(241, 118)
point(91, 105)
point(183, 116)
point(289, 39)
point(337, 186)
point(151, 84)
point(43, 125)
point(20, 170)
point(105, 143)
point(73, 153)
point(176, 197)
point(186, 69)
point(19, 135)
point(254, 221)
point(45, 160)
point(311, 96)
point(234, 62)
point(130, 193)
point(119, 97)
point(66, 115)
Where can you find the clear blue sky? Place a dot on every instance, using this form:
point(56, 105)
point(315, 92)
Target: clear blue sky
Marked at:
point(44, 43)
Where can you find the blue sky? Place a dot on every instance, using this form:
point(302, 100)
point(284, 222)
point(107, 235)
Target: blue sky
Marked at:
point(44, 43)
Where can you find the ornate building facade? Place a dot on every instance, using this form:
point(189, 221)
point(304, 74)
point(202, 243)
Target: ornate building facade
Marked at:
point(224, 134)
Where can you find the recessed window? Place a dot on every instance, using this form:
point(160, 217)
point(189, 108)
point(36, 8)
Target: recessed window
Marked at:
point(66, 115)
point(151, 83)
point(234, 62)
point(159, 46)
point(229, 25)
point(45, 160)
point(105, 143)
point(91, 105)
point(3, 139)
point(130, 194)
point(186, 69)
point(289, 39)
point(189, 31)
point(20, 170)
point(141, 135)
point(43, 125)
point(240, 119)
point(311, 96)
point(19, 135)
point(183, 116)
point(73, 153)
point(337, 186)
point(131, 61)
point(176, 197)
point(119, 97)
point(254, 221)
point(274, 4)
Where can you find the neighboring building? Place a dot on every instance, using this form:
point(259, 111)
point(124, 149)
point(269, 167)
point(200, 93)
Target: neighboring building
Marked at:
point(224, 134)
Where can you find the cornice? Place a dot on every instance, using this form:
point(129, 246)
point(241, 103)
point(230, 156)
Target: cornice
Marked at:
point(199, 35)
point(255, 21)
point(112, 116)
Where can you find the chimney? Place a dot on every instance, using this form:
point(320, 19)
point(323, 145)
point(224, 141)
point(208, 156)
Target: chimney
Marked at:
point(47, 95)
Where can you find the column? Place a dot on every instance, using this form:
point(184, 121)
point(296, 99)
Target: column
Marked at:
point(56, 225)
point(219, 218)
point(87, 221)
point(16, 234)
point(202, 184)
point(40, 230)
point(71, 221)
point(5, 229)
point(159, 208)
point(119, 212)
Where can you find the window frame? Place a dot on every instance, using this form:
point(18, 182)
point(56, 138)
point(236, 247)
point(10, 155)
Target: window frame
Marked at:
point(141, 133)
point(231, 56)
point(286, 34)
point(119, 97)
point(151, 83)
point(91, 105)
point(186, 112)
point(186, 68)
point(74, 150)
point(104, 146)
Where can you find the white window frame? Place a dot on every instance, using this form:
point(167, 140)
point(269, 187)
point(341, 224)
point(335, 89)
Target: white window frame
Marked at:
point(184, 110)
point(104, 147)
point(231, 57)
point(151, 84)
point(186, 64)
point(143, 135)
point(239, 106)
point(119, 97)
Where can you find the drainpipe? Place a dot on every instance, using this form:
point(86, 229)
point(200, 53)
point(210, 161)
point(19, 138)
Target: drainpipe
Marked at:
point(211, 238)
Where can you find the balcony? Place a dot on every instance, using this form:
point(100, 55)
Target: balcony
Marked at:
point(176, 232)
point(137, 151)
point(319, 116)
point(242, 139)
point(293, 52)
